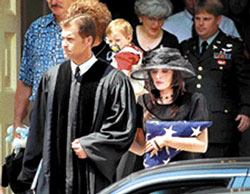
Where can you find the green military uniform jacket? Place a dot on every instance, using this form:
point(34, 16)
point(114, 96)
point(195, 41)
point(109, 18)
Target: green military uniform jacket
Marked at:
point(223, 76)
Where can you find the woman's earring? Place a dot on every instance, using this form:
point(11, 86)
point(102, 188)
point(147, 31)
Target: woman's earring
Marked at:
point(140, 20)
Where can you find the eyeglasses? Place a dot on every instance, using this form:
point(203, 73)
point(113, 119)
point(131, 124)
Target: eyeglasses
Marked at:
point(159, 19)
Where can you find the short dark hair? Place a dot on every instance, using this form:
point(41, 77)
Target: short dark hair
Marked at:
point(213, 7)
point(86, 25)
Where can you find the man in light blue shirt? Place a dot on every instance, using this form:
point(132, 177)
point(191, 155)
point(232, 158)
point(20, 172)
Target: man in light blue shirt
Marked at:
point(180, 24)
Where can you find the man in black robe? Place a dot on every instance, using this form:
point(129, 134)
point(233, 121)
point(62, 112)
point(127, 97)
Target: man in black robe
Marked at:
point(80, 143)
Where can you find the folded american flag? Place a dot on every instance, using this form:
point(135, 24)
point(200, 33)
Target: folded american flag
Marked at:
point(171, 128)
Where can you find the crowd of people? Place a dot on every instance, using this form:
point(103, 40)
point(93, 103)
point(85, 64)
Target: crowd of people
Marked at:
point(97, 85)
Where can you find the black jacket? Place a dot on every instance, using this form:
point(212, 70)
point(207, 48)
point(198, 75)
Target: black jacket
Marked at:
point(112, 129)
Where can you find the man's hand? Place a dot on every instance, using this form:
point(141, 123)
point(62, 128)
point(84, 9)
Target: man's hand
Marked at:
point(1, 190)
point(16, 125)
point(80, 152)
point(244, 122)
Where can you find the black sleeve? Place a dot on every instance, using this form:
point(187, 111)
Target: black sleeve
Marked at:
point(139, 112)
point(116, 130)
point(170, 40)
point(242, 74)
point(199, 110)
point(34, 145)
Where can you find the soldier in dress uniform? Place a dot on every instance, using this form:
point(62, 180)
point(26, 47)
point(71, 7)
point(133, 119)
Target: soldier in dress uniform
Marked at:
point(223, 76)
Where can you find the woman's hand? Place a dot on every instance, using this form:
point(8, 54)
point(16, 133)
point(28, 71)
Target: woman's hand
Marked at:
point(156, 144)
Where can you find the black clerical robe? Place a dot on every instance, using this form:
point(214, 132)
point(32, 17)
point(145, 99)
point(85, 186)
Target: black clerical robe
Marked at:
point(105, 126)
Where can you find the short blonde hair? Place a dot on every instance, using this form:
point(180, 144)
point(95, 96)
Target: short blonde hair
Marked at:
point(120, 25)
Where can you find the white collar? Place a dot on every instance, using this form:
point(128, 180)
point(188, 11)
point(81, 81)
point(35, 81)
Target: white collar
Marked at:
point(84, 67)
point(188, 14)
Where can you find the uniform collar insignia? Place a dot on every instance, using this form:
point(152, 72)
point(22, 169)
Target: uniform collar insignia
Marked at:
point(229, 45)
point(214, 47)
point(218, 41)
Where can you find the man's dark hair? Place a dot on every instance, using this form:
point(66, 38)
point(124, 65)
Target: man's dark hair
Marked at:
point(213, 7)
point(86, 25)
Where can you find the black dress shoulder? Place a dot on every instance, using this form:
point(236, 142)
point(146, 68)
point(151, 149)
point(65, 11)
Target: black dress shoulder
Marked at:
point(168, 40)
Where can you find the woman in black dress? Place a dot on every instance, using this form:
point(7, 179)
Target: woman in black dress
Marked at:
point(168, 100)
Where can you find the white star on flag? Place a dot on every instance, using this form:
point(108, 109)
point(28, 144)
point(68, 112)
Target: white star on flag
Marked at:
point(167, 150)
point(155, 122)
point(147, 135)
point(169, 131)
point(145, 164)
point(166, 161)
point(196, 131)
